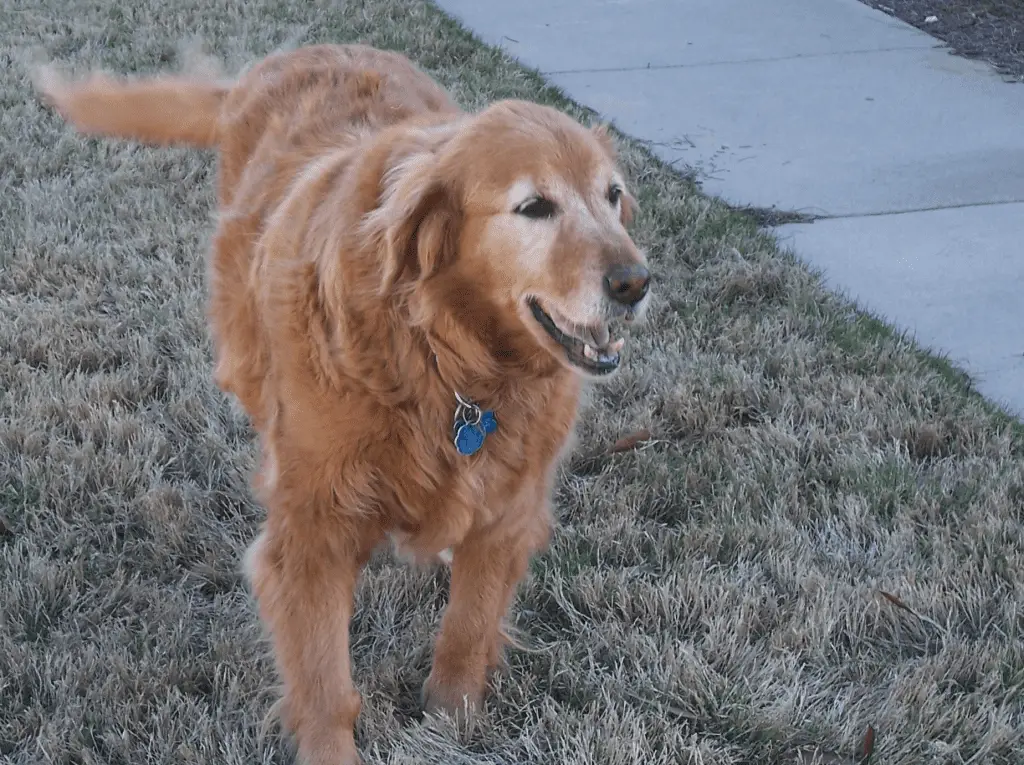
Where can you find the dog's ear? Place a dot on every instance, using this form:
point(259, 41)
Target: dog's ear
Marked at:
point(629, 207)
point(419, 220)
point(603, 135)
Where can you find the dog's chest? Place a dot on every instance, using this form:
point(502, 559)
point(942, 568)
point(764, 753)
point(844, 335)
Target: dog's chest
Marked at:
point(468, 493)
point(446, 485)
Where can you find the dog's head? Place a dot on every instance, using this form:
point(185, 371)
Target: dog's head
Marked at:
point(525, 211)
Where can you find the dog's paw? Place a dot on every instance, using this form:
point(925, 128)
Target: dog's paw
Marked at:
point(461, 704)
point(337, 751)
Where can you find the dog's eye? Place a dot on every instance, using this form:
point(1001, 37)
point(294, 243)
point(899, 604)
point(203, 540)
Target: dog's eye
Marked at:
point(538, 207)
point(614, 194)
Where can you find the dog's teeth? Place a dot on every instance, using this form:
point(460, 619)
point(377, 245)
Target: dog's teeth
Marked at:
point(590, 352)
point(617, 346)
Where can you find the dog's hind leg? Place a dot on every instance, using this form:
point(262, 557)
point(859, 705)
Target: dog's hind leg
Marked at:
point(240, 352)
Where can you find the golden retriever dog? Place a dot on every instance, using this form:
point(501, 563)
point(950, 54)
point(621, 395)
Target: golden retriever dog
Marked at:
point(406, 299)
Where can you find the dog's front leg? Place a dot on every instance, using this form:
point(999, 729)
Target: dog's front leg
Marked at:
point(304, 584)
point(486, 569)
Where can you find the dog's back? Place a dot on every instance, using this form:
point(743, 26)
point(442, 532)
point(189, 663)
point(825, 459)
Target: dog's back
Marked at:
point(302, 103)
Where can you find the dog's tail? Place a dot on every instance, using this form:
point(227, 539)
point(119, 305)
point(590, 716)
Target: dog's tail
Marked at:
point(164, 110)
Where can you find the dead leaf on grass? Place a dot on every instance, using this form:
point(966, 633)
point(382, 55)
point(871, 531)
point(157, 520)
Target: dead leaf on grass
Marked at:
point(627, 443)
point(867, 747)
point(943, 632)
point(897, 602)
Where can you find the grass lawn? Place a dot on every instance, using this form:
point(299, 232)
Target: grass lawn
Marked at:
point(715, 596)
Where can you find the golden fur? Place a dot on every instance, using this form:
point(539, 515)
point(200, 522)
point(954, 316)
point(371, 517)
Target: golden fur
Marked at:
point(372, 257)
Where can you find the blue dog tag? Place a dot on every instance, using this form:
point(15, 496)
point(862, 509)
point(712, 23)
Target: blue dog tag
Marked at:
point(472, 425)
point(488, 422)
point(469, 438)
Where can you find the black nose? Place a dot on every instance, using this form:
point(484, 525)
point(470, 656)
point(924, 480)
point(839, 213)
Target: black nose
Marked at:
point(627, 284)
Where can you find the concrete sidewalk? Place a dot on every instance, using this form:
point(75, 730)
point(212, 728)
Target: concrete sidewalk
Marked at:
point(911, 158)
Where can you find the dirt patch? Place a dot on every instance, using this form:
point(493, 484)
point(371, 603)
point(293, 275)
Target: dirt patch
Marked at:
point(989, 30)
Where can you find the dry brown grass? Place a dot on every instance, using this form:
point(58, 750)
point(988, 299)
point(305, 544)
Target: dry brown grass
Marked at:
point(711, 597)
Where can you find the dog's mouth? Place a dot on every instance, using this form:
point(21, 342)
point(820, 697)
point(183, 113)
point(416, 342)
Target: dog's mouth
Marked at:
point(591, 349)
